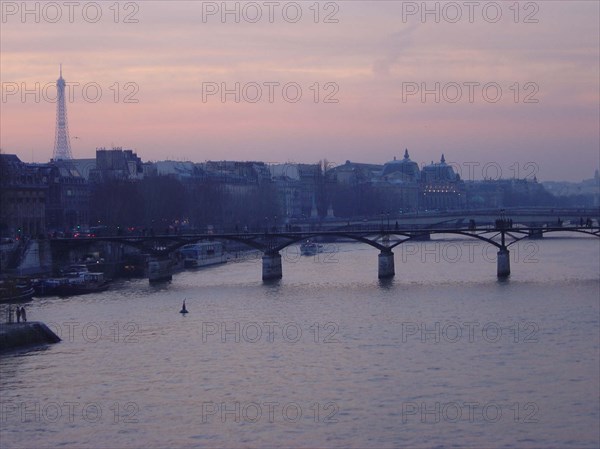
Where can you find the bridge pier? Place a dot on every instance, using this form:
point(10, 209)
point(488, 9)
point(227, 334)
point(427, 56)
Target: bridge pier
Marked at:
point(503, 263)
point(386, 265)
point(271, 268)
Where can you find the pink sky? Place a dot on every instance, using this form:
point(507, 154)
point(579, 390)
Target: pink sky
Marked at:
point(368, 54)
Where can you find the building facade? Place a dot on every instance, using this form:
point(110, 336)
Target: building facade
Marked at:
point(23, 195)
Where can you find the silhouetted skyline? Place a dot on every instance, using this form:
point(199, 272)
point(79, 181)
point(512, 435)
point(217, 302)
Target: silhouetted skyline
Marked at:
point(372, 58)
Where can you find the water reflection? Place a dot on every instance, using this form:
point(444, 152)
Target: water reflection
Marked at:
point(358, 349)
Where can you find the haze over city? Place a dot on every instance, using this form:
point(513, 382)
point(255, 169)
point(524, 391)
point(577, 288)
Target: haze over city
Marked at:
point(328, 224)
point(365, 56)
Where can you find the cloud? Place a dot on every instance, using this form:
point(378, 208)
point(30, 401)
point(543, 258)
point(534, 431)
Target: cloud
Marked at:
point(394, 46)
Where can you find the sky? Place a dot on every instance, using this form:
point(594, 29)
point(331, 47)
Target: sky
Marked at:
point(501, 88)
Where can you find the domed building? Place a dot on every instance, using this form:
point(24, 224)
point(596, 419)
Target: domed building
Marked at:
point(440, 172)
point(398, 184)
point(404, 170)
point(441, 188)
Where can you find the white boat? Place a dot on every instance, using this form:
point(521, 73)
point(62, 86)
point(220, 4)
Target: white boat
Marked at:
point(309, 248)
point(203, 254)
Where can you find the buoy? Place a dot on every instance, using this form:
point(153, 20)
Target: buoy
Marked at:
point(183, 309)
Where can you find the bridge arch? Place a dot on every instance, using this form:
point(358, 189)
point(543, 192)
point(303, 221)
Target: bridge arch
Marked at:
point(363, 238)
point(526, 234)
point(270, 244)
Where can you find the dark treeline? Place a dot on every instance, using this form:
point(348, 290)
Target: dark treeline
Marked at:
point(360, 200)
point(161, 201)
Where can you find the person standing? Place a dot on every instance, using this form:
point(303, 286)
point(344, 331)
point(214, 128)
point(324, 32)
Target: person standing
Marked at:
point(18, 314)
point(23, 314)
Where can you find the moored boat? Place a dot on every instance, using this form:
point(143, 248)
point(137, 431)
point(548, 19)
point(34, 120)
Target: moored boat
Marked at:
point(14, 290)
point(310, 248)
point(48, 286)
point(84, 283)
point(76, 280)
point(203, 254)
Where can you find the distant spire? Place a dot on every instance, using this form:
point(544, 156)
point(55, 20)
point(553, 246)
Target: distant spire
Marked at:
point(406, 156)
point(62, 143)
point(443, 159)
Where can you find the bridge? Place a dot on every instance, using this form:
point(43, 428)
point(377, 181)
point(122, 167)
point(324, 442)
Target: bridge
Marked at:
point(502, 234)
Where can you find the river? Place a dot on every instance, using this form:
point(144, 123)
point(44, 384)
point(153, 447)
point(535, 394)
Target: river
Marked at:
point(443, 355)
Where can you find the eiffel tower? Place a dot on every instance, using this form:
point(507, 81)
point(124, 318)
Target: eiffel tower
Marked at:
point(62, 143)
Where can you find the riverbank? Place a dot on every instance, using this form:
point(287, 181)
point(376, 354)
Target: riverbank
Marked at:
point(14, 335)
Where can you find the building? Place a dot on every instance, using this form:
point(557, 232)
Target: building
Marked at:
point(68, 200)
point(399, 185)
point(353, 173)
point(404, 170)
point(85, 167)
point(441, 188)
point(508, 193)
point(37, 198)
point(286, 179)
point(23, 194)
point(116, 164)
point(583, 194)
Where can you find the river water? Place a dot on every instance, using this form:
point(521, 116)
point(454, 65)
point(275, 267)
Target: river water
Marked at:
point(444, 355)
